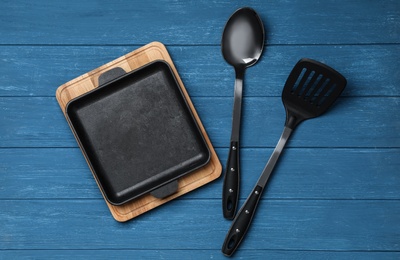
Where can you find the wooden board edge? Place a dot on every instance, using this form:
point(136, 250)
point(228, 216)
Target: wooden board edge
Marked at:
point(153, 202)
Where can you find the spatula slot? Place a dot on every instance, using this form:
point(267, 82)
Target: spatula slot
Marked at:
point(298, 81)
point(325, 94)
point(307, 83)
point(318, 90)
point(313, 84)
point(313, 87)
point(303, 82)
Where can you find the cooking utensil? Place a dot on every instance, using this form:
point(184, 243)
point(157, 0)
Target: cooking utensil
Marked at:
point(310, 90)
point(242, 44)
point(138, 133)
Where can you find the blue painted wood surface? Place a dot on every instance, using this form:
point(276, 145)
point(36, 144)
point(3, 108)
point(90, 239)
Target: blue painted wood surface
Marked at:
point(334, 195)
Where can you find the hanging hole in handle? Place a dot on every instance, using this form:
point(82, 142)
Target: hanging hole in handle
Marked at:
point(229, 204)
point(232, 242)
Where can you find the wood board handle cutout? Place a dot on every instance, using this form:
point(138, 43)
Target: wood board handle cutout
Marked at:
point(131, 61)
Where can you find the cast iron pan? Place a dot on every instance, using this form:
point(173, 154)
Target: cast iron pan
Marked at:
point(138, 133)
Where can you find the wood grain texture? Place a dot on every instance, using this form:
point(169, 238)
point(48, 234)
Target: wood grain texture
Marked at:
point(334, 195)
point(352, 122)
point(195, 254)
point(371, 70)
point(196, 22)
point(350, 225)
point(303, 173)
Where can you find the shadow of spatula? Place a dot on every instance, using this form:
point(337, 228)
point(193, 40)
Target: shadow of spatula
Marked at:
point(310, 90)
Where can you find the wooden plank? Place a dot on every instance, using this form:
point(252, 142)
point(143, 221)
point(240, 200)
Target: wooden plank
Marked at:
point(352, 122)
point(340, 225)
point(192, 254)
point(371, 70)
point(196, 22)
point(302, 173)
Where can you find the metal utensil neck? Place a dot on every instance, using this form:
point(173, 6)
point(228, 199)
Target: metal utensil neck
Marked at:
point(269, 167)
point(237, 105)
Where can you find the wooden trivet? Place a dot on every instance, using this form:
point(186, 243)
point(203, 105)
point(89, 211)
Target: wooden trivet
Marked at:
point(131, 61)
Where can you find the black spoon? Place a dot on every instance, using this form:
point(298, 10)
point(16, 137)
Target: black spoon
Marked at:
point(310, 90)
point(242, 44)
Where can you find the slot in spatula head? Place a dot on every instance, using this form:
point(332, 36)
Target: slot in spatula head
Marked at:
point(311, 88)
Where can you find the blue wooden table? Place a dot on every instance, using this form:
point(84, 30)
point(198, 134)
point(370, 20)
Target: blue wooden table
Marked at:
point(335, 193)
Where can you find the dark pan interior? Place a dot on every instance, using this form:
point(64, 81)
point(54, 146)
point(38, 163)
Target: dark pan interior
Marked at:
point(137, 132)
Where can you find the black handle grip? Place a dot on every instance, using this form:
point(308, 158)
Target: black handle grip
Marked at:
point(230, 190)
point(241, 223)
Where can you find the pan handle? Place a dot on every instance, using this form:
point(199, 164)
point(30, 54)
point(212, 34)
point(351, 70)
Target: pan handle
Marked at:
point(166, 190)
point(110, 75)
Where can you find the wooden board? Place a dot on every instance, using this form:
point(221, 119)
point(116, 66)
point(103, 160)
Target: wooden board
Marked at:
point(129, 62)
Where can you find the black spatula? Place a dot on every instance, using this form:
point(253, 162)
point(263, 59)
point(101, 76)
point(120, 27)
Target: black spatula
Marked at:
point(310, 90)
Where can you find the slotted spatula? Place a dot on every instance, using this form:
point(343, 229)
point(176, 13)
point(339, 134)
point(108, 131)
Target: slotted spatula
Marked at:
point(310, 90)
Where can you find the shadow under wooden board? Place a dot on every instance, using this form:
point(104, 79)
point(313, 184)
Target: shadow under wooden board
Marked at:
point(129, 62)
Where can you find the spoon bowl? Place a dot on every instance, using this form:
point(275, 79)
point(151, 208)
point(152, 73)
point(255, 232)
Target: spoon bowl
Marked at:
point(243, 38)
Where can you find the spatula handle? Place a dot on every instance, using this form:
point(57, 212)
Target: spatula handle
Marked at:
point(242, 222)
point(230, 191)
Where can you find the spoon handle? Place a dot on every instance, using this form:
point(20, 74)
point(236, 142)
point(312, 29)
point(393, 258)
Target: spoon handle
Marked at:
point(230, 191)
